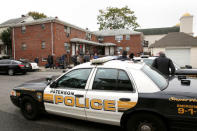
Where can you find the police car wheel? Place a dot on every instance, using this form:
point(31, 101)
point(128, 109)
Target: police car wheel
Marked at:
point(145, 122)
point(29, 108)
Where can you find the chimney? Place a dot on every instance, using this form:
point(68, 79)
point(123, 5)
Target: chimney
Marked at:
point(186, 24)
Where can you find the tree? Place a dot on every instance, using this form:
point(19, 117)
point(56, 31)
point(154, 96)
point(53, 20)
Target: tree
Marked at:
point(7, 39)
point(117, 18)
point(36, 15)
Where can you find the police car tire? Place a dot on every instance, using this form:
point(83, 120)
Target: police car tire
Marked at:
point(28, 102)
point(136, 121)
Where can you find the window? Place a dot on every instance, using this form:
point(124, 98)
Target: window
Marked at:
point(44, 59)
point(105, 79)
point(67, 47)
point(127, 48)
point(74, 79)
point(124, 82)
point(43, 46)
point(146, 43)
point(23, 29)
point(119, 49)
point(24, 46)
point(5, 62)
point(43, 26)
point(67, 30)
point(119, 37)
point(88, 36)
point(100, 38)
point(16, 62)
point(127, 37)
point(157, 78)
point(112, 79)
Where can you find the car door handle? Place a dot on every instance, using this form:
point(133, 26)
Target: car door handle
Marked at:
point(78, 95)
point(125, 99)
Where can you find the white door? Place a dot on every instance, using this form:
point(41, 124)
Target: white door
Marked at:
point(111, 94)
point(66, 96)
point(73, 49)
point(180, 56)
point(106, 50)
point(111, 50)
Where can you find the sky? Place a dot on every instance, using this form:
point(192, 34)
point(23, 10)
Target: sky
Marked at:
point(83, 13)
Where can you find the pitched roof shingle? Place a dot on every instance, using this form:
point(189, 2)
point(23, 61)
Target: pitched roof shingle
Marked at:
point(159, 31)
point(175, 39)
point(14, 21)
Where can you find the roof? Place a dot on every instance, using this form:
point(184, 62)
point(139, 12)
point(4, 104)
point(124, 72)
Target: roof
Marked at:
point(86, 41)
point(175, 39)
point(114, 32)
point(159, 31)
point(14, 21)
point(50, 19)
point(91, 42)
point(109, 44)
point(115, 64)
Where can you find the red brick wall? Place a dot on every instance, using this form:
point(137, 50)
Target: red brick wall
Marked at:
point(134, 43)
point(33, 38)
point(60, 38)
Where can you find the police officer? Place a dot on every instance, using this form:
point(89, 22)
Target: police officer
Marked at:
point(164, 64)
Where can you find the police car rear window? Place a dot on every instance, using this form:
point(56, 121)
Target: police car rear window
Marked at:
point(157, 78)
point(148, 61)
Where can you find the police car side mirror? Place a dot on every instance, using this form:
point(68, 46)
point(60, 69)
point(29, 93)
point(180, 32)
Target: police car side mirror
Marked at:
point(49, 79)
point(53, 85)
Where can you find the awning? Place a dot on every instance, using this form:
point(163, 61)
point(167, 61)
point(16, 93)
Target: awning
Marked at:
point(109, 44)
point(78, 40)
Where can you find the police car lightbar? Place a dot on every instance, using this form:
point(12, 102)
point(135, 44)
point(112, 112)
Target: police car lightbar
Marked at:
point(103, 60)
point(144, 56)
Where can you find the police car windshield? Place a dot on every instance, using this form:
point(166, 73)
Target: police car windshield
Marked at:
point(157, 78)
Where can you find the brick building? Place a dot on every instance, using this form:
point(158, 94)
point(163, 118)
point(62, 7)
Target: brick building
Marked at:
point(51, 36)
point(124, 39)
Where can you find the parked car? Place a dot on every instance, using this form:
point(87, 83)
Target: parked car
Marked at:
point(179, 71)
point(13, 66)
point(33, 66)
point(123, 93)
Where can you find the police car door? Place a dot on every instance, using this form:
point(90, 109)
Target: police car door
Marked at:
point(66, 96)
point(112, 93)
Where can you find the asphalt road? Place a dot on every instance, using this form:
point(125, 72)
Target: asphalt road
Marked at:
point(11, 118)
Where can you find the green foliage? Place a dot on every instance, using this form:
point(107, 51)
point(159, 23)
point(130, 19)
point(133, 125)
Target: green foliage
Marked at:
point(117, 18)
point(36, 15)
point(6, 37)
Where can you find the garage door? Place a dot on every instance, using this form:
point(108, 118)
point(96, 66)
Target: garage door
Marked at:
point(179, 56)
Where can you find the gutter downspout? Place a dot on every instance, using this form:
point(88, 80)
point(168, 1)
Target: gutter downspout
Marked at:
point(52, 44)
point(14, 43)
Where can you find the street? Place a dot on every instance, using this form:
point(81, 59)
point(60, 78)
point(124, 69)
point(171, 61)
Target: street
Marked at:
point(12, 119)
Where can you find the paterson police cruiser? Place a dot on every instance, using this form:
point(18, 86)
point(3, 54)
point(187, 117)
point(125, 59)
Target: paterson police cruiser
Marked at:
point(124, 93)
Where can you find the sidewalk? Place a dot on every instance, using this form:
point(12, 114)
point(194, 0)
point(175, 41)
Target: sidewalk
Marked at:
point(43, 69)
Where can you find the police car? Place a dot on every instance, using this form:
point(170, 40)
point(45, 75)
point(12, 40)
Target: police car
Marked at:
point(116, 92)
